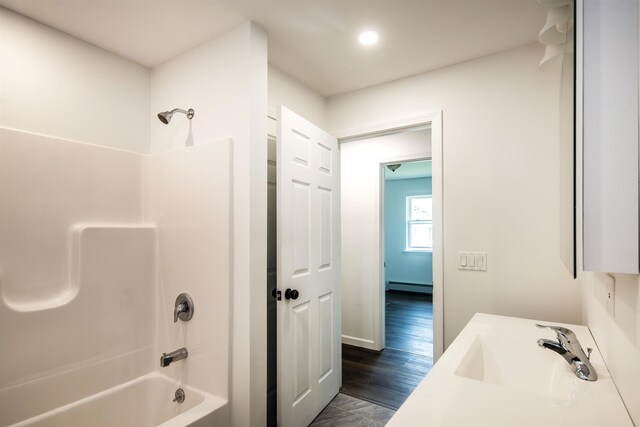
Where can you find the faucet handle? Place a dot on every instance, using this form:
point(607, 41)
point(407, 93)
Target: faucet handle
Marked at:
point(589, 350)
point(180, 308)
point(183, 308)
point(564, 335)
point(557, 329)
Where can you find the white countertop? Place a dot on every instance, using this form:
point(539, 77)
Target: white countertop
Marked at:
point(517, 383)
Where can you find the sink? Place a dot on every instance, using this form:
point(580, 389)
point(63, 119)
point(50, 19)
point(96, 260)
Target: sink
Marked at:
point(520, 365)
point(495, 375)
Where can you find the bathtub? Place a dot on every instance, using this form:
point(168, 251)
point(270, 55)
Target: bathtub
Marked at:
point(146, 401)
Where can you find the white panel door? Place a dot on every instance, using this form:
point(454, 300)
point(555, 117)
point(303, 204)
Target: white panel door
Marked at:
point(309, 352)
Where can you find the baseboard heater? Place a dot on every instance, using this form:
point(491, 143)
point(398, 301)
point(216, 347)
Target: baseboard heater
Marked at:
point(413, 287)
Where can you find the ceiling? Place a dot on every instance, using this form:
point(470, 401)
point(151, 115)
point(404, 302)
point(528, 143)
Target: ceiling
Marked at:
point(313, 41)
point(409, 170)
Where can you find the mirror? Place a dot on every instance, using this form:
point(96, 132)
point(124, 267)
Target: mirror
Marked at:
point(567, 147)
point(558, 36)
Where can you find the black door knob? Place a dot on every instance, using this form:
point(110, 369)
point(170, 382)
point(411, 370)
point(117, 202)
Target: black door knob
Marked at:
point(291, 294)
point(276, 294)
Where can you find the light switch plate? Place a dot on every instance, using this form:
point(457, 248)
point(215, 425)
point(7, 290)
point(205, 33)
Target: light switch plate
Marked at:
point(473, 261)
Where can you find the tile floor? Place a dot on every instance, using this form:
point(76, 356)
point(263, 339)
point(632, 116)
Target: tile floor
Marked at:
point(347, 411)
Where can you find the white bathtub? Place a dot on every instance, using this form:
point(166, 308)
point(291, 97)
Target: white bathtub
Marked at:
point(146, 401)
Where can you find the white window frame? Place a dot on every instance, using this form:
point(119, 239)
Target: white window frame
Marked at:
point(410, 221)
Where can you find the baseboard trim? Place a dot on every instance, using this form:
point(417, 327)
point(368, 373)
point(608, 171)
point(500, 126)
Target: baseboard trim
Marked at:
point(409, 287)
point(393, 282)
point(359, 342)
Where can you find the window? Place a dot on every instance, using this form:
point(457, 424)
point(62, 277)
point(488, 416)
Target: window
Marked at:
point(419, 224)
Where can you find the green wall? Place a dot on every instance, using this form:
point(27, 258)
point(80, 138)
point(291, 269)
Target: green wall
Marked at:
point(407, 267)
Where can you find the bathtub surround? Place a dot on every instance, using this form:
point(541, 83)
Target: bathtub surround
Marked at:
point(90, 277)
point(73, 246)
point(189, 202)
point(42, 198)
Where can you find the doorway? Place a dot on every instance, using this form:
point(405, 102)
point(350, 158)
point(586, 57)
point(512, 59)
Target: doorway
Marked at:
point(407, 208)
point(374, 370)
point(364, 152)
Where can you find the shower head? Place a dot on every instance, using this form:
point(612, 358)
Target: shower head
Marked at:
point(165, 116)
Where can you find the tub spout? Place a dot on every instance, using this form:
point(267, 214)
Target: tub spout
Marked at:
point(168, 358)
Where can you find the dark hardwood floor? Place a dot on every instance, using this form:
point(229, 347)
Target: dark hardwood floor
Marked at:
point(409, 322)
point(389, 376)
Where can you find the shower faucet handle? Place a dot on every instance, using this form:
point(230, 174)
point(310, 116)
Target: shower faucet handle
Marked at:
point(184, 308)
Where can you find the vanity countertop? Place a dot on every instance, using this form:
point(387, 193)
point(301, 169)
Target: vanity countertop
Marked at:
point(494, 374)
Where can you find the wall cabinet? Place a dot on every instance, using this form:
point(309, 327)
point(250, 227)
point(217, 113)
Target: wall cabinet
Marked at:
point(610, 135)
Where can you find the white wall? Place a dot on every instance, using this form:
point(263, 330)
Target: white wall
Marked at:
point(360, 200)
point(56, 85)
point(287, 91)
point(225, 82)
point(617, 335)
point(500, 149)
point(211, 79)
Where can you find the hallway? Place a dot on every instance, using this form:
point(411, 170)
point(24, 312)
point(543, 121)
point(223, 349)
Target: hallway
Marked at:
point(388, 377)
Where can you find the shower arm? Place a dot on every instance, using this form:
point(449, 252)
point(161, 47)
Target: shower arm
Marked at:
point(180, 110)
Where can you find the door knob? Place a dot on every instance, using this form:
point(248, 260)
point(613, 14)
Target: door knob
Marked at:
point(291, 294)
point(276, 294)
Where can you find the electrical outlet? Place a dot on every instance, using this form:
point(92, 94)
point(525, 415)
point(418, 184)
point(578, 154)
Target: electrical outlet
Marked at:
point(611, 294)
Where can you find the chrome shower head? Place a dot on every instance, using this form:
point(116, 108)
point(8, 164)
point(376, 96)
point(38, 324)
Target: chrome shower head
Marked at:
point(165, 116)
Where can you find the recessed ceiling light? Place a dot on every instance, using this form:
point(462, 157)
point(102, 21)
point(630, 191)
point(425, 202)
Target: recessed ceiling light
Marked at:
point(368, 37)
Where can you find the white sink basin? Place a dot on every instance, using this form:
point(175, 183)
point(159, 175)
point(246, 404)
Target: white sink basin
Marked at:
point(494, 374)
point(520, 365)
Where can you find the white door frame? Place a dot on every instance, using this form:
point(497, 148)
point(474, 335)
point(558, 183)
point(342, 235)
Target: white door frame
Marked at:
point(434, 120)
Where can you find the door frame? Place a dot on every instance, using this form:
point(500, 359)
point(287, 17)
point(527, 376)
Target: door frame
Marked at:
point(434, 121)
point(381, 235)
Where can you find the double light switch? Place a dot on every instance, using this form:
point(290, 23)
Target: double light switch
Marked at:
point(476, 261)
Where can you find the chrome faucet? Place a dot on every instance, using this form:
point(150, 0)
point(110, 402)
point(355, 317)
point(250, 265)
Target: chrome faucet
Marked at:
point(570, 349)
point(168, 358)
point(184, 308)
